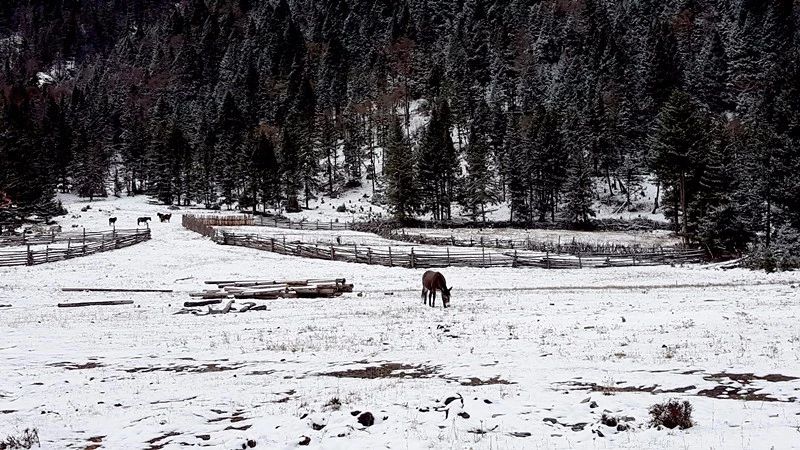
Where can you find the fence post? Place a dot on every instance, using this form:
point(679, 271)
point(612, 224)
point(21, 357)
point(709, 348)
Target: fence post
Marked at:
point(483, 255)
point(547, 258)
point(355, 251)
point(514, 261)
point(102, 242)
point(412, 258)
point(390, 257)
point(580, 262)
point(30, 255)
point(69, 244)
point(369, 255)
point(84, 241)
point(333, 254)
point(47, 254)
point(448, 256)
point(331, 224)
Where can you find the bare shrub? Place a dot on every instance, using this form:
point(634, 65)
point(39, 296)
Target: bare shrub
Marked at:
point(26, 440)
point(672, 414)
point(334, 404)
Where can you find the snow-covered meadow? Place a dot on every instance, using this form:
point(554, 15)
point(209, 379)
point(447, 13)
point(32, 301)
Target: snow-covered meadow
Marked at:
point(536, 355)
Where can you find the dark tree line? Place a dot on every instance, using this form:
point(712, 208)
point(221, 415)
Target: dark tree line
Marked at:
point(529, 103)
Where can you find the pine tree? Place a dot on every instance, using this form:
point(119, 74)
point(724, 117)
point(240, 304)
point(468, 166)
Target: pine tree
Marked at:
point(676, 149)
point(479, 185)
point(401, 192)
point(579, 189)
point(437, 164)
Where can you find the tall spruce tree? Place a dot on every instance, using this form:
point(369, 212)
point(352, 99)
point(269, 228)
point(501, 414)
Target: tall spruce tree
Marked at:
point(401, 191)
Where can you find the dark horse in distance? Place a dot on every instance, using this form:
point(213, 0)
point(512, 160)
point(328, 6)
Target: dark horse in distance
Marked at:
point(431, 281)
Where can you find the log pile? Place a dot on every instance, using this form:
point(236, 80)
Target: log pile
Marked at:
point(268, 290)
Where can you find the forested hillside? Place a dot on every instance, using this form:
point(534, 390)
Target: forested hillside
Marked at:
point(263, 103)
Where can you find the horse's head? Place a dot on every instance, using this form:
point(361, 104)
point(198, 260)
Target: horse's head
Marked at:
point(446, 296)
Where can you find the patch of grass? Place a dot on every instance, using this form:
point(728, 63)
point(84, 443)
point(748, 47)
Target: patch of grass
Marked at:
point(672, 414)
point(333, 404)
point(26, 440)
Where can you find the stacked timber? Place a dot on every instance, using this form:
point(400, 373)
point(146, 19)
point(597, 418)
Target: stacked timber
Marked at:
point(267, 290)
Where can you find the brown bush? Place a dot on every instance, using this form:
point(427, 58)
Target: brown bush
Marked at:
point(672, 414)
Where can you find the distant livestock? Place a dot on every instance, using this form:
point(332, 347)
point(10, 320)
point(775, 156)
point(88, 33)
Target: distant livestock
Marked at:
point(112, 221)
point(431, 282)
point(143, 220)
point(164, 217)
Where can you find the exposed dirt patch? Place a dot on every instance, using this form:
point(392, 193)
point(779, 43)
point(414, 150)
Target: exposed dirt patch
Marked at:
point(96, 442)
point(154, 443)
point(202, 368)
point(7, 411)
point(738, 393)
point(474, 381)
point(654, 389)
point(158, 402)
point(386, 370)
point(75, 366)
point(746, 378)
point(572, 426)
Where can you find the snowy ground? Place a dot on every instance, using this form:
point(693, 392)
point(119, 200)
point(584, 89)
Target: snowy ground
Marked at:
point(522, 347)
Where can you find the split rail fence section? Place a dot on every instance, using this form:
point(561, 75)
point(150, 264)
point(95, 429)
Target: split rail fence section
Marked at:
point(404, 256)
point(61, 246)
point(427, 258)
point(569, 248)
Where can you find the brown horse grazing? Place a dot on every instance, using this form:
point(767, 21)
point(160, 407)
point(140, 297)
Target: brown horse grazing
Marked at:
point(431, 281)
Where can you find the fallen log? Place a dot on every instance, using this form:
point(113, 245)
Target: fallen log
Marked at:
point(201, 303)
point(246, 307)
point(113, 290)
point(100, 303)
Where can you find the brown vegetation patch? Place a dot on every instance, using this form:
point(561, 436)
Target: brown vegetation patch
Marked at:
point(202, 368)
point(76, 366)
point(154, 445)
point(386, 370)
point(746, 378)
point(736, 393)
point(474, 381)
point(609, 390)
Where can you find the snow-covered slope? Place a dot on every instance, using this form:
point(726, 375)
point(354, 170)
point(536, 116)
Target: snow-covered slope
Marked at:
point(530, 352)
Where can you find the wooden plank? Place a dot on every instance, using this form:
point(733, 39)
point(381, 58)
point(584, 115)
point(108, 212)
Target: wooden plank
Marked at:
point(100, 303)
point(201, 303)
point(69, 289)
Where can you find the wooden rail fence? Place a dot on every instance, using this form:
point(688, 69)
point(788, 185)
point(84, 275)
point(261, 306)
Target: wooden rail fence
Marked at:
point(205, 223)
point(570, 248)
point(430, 258)
point(442, 256)
point(77, 244)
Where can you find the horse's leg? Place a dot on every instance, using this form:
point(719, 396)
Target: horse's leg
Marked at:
point(433, 298)
point(424, 295)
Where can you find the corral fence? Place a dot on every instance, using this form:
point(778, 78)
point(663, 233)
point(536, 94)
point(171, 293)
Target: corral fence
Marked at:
point(205, 223)
point(408, 256)
point(447, 257)
point(303, 224)
point(60, 246)
point(570, 248)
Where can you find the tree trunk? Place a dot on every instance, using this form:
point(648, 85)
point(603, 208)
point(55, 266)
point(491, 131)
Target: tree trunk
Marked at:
point(685, 218)
point(655, 201)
